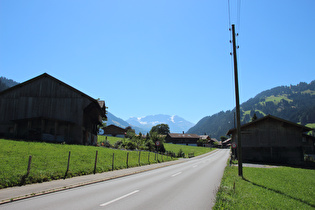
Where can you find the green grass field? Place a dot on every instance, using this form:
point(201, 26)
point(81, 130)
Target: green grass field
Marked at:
point(267, 188)
point(49, 161)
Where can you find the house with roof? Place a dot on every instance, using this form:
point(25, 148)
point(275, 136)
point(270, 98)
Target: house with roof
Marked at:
point(47, 109)
point(113, 130)
point(182, 138)
point(213, 142)
point(226, 143)
point(271, 139)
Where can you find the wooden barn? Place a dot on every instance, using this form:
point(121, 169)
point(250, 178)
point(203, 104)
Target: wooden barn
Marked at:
point(271, 139)
point(47, 109)
point(178, 138)
point(113, 130)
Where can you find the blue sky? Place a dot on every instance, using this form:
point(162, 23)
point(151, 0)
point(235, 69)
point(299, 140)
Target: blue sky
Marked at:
point(159, 57)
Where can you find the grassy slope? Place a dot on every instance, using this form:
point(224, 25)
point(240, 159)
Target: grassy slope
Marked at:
point(311, 125)
point(187, 149)
point(267, 188)
point(111, 139)
point(277, 99)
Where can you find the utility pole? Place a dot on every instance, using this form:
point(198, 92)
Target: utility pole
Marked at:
point(238, 118)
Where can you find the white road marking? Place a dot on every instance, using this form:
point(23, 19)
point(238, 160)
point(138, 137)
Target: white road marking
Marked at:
point(117, 199)
point(176, 174)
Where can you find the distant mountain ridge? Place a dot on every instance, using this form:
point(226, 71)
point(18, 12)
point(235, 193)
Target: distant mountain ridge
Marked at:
point(295, 103)
point(113, 120)
point(177, 124)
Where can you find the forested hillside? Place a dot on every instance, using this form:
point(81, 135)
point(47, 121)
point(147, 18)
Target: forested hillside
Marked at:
point(295, 103)
point(6, 83)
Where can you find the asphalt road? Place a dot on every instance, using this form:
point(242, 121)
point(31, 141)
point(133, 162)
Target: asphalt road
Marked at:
point(189, 185)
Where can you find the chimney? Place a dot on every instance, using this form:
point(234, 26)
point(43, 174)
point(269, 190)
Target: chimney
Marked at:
point(183, 132)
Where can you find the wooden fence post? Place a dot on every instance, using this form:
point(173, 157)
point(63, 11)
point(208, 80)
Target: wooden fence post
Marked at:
point(95, 161)
point(113, 161)
point(29, 165)
point(139, 158)
point(127, 159)
point(68, 165)
point(149, 158)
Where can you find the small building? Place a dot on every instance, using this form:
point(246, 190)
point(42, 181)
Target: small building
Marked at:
point(213, 142)
point(113, 130)
point(186, 139)
point(226, 143)
point(308, 144)
point(47, 109)
point(205, 141)
point(204, 137)
point(271, 139)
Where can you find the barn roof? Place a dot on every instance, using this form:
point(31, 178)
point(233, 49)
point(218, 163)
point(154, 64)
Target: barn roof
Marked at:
point(100, 103)
point(115, 126)
point(186, 135)
point(227, 141)
point(304, 128)
point(204, 136)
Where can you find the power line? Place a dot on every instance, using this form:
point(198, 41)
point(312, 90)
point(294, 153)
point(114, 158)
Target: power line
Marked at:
point(229, 12)
point(238, 15)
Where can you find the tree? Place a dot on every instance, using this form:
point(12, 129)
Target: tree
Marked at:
point(160, 129)
point(223, 138)
point(150, 145)
point(130, 132)
point(147, 137)
point(157, 137)
point(254, 118)
point(201, 142)
point(101, 127)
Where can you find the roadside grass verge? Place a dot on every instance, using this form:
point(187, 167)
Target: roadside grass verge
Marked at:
point(267, 188)
point(49, 161)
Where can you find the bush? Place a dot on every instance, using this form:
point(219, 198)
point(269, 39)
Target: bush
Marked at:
point(161, 148)
point(131, 145)
point(170, 153)
point(150, 145)
point(118, 144)
point(180, 153)
point(106, 144)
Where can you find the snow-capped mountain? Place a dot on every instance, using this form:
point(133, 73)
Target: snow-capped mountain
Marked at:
point(176, 123)
point(113, 120)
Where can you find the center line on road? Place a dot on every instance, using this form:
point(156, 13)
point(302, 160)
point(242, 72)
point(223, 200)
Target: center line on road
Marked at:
point(176, 174)
point(117, 199)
